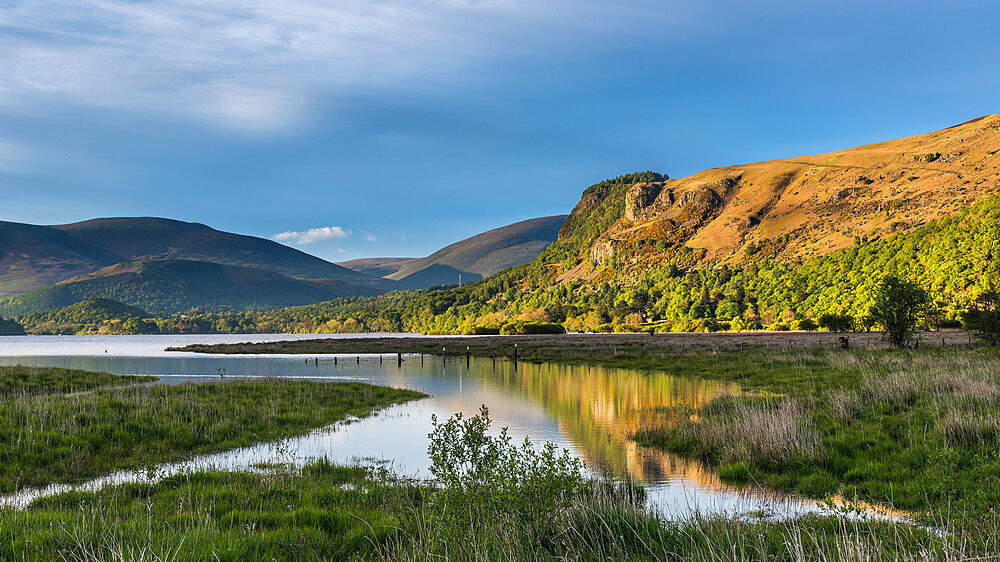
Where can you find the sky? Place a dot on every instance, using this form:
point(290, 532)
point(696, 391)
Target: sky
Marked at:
point(391, 128)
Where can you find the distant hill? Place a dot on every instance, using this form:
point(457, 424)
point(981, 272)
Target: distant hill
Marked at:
point(92, 310)
point(151, 238)
point(34, 256)
point(436, 275)
point(473, 258)
point(87, 316)
point(376, 267)
point(169, 286)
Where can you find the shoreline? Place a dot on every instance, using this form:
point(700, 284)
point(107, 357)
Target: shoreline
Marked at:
point(579, 346)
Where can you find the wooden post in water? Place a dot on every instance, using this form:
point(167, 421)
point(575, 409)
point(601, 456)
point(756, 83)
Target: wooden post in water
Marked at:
point(399, 359)
point(359, 359)
point(334, 360)
point(466, 357)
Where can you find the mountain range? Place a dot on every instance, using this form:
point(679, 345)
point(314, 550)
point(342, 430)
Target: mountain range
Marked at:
point(169, 266)
point(764, 244)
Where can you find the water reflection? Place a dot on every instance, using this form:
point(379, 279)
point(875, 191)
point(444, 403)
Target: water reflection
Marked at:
point(589, 410)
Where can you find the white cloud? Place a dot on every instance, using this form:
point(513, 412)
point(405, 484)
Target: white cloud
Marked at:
point(312, 235)
point(264, 66)
point(369, 237)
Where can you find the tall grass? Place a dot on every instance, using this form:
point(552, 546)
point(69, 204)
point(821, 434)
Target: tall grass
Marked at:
point(329, 512)
point(751, 429)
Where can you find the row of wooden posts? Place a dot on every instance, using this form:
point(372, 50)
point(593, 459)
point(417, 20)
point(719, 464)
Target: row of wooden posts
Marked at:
point(399, 357)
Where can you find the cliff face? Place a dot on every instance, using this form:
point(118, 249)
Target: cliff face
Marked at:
point(789, 209)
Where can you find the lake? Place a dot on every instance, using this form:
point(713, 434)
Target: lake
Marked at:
point(590, 411)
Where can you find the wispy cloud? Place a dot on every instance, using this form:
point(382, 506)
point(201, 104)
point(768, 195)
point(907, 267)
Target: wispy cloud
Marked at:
point(369, 237)
point(262, 66)
point(312, 235)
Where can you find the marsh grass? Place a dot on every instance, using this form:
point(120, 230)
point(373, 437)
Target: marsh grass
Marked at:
point(877, 426)
point(330, 512)
point(753, 430)
point(29, 381)
point(58, 437)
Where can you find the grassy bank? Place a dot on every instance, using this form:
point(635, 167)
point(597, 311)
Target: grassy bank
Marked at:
point(327, 512)
point(52, 431)
point(915, 430)
point(30, 381)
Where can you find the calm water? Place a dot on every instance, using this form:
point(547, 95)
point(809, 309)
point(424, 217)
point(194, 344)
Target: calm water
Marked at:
point(588, 410)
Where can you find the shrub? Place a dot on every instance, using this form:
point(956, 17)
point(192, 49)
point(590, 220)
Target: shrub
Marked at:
point(805, 324)
point(778, 327)
point(520, 327)
point(486, 483)
point(837, 322)
point(984, 317)
point(481, 330)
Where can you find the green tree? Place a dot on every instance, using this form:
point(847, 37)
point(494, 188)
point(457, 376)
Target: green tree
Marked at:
point(899, 305)
point(10, 328)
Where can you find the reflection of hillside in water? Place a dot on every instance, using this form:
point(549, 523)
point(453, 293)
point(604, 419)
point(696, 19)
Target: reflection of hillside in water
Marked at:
point(600, 407)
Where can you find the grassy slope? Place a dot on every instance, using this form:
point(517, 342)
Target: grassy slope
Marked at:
point(491, 251)
point(822, 201)
point(377, 267)
point(34, 256)
point(60, 437)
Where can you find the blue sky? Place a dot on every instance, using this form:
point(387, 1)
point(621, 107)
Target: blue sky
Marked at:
point(382, 128)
